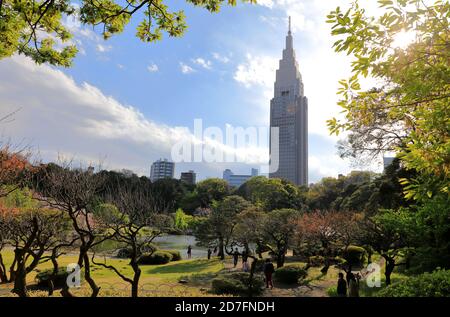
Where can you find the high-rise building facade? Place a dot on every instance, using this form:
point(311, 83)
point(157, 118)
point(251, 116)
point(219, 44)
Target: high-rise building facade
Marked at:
point(289, 113)
point(162, 168)
point(188, 177)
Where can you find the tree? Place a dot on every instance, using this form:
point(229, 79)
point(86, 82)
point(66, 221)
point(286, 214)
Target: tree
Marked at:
point(408, 110)
point(13, 166)
point(31, 233)
point(278, 231)
point(182, 220)
point(212, 189)
point(36, 28)
point(170, 192)
point(75, 192)
point(272, 193)
point(133, 212)
point(333, 232)
point(218, 227)
point(390, 234)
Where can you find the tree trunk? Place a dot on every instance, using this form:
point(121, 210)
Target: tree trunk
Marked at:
point(252, 274)
point(3, 276)
point(12, 274)
point(51, 285)
point(221, 253)
point(20, 282)
point(137, 275)
point(390, 265)
point(87, 276)
point(280, 260)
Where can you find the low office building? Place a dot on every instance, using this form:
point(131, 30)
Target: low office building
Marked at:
point(188, 177)
point(235, 180)
point(162, 168)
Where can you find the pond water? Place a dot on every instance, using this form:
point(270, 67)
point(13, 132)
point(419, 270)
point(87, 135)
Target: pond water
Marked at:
point(181, 243)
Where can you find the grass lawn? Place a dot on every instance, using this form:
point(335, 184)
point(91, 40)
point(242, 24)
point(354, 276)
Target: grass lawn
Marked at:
point(156, 280)
point(163, 280)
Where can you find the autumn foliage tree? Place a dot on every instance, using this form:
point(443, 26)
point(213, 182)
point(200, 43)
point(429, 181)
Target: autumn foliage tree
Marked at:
point(332, 232)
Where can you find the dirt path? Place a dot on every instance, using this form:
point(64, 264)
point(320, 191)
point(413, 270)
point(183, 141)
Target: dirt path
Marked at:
point(317, 288)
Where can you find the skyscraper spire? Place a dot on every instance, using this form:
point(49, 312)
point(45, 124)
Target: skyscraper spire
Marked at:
point(289, 25)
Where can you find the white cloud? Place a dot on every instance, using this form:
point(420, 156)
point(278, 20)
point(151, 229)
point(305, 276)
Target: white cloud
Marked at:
point(202, 62)
point(221, 58)
point(256, 71)
point(103, 48)
point(152, 68)
point(64, 118)
point(186, 69)
point(120, 66)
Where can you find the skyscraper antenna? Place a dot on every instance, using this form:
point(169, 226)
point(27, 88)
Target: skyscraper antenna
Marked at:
point(289, 24)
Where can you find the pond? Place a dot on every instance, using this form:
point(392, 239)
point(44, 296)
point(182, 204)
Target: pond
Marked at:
point(181, 243)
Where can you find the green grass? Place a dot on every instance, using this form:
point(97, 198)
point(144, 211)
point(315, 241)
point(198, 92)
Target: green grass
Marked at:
point(162, 279)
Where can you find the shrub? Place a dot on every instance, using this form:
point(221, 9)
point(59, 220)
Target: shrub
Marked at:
point(149, 248)
point(237, 284)
point(290, 274)
point(176, 256)
point(316, 260)
point(124, 253)
point(158, 257)
point(354, 255)
point(332, 291)
point(43, 277)
point(436, 284)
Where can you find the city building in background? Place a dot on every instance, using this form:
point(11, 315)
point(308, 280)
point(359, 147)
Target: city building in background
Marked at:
point(162, 168)
point(188, 177)
point(237, 180)
point(289, 113)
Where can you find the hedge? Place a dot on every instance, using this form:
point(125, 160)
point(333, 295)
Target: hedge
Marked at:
point(158, 257)
point(176, 256)
point(435, 284)
point(43, 277)
point(290, 274)
point(237, 284)
point(354, 255)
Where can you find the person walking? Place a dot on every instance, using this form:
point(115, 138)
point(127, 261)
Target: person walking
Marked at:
point(235, 257)
point(209, 253)
point(354, 286)
point(268, 271)
point(341, 286)
point(245, 261)
point(189, 252)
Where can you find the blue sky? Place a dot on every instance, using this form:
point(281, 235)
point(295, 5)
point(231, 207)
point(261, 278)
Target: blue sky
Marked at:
point(122, 98)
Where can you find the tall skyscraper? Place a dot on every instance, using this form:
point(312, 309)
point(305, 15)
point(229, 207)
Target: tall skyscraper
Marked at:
point(162, 169)
point(289, 112)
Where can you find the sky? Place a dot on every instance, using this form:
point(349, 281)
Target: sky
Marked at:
point(124, 103)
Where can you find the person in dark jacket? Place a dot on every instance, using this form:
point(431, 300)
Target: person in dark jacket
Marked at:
point(341, 286)
point(268, 271)
point(189, 252)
